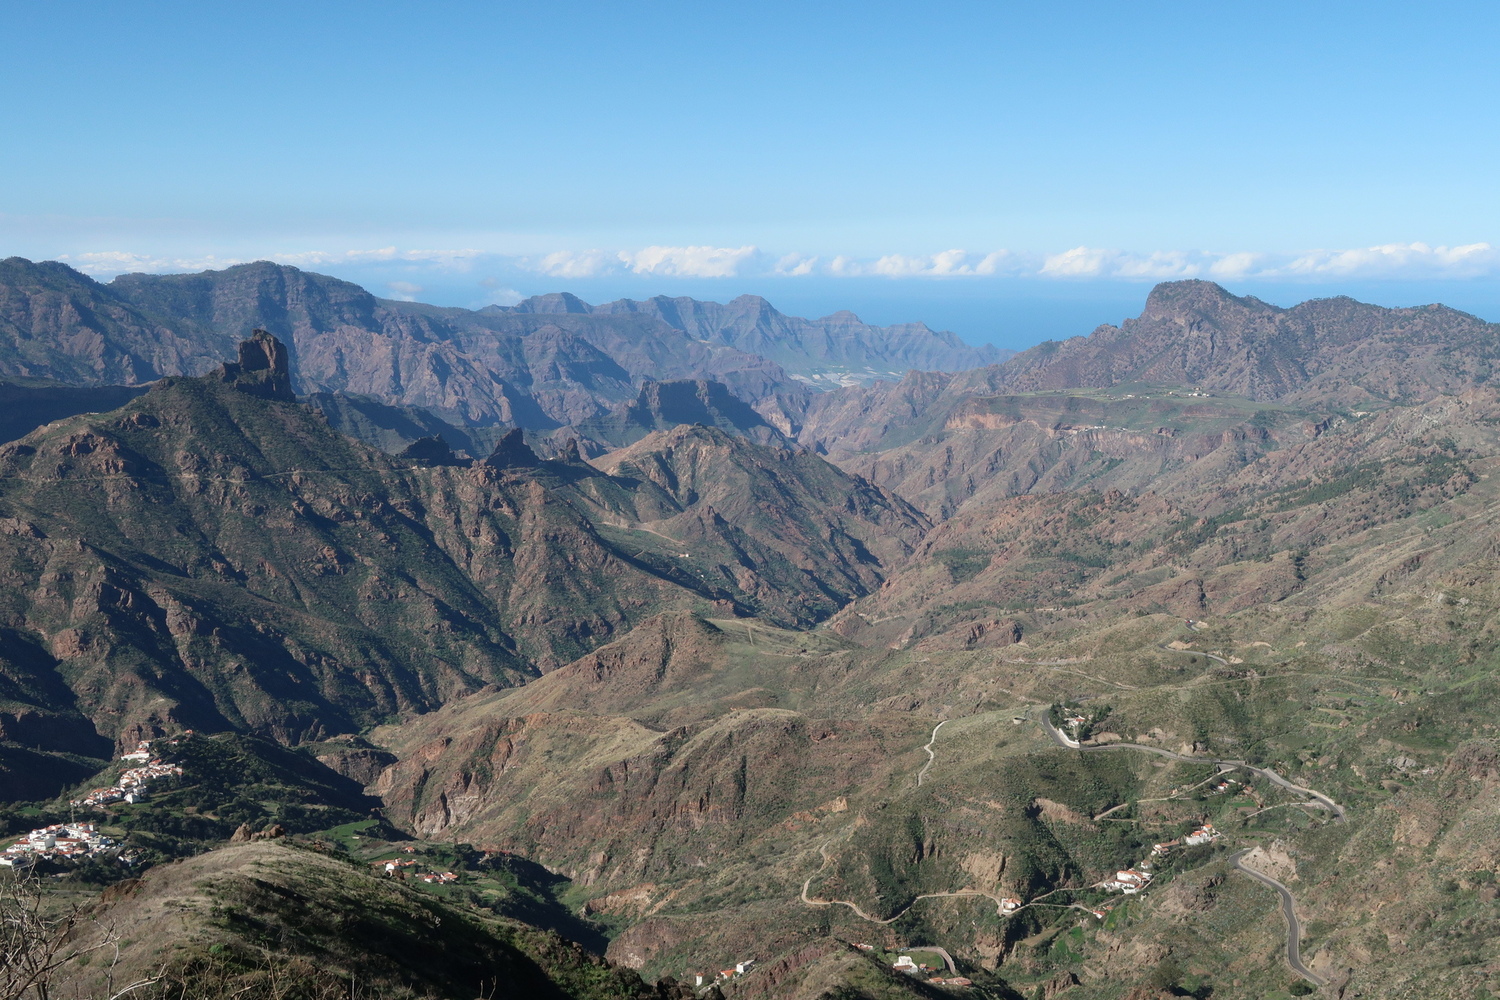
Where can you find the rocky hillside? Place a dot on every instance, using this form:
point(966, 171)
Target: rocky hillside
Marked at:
point(664, 405)
point(214, 555)
point(58, 324)
point(776, 519)
point(471, 368)
point(727, 782)
point(736, 700)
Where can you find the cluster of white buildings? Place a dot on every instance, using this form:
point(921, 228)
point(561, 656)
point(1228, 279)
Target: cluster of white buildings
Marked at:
point(1205, 834)
point(61, 841)
point(1129, 881)
point(397, 869)
point(133, 782)
point(1132, 880)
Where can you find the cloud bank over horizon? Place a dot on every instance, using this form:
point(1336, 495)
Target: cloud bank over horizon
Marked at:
point(1387, 262)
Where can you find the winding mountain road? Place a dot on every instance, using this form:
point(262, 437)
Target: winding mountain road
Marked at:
point(931, 757)
point(1288, 903)
point(1289, 911)
point(1319, 800)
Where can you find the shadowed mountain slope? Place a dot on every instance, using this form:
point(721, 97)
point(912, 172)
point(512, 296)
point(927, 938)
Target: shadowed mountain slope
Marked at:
point(253, 919)
point(663, 405)
point(26, 404)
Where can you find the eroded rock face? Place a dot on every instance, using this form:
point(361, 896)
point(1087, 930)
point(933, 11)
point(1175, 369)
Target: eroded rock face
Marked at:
point(361, 764)
point(512, 452)
point(263, 369)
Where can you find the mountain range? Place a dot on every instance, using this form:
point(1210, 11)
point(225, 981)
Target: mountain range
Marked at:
point(549, 361)
point(707, 666)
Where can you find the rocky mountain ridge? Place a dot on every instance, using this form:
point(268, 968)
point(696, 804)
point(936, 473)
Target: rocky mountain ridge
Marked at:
point(214, 555)
point(836, 349)
point(550, 361)
point(1193, 337)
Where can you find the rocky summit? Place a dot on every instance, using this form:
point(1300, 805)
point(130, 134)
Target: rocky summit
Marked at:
point(668, 649)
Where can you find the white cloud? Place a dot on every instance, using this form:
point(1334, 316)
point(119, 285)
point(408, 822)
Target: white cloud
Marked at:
point(794, 265)
point(1392, 261)
point(1397, 260)
point(577, 264)
point(690, 262)
point(1236, 265)
point(113, 262)
point(947, 264)
point(406, 291)
point(497, 294)
point(1092, 262)
point(1080, 262)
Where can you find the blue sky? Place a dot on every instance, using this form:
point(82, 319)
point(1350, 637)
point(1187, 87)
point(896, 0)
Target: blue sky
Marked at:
point(1013, 171)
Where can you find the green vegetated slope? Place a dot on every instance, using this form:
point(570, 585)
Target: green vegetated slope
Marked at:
point(267, 919)
point(704, 837)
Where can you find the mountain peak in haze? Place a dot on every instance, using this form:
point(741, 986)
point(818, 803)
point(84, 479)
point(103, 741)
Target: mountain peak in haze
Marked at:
point(1196, 333)
point(553, 302)
point(1199, 297)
